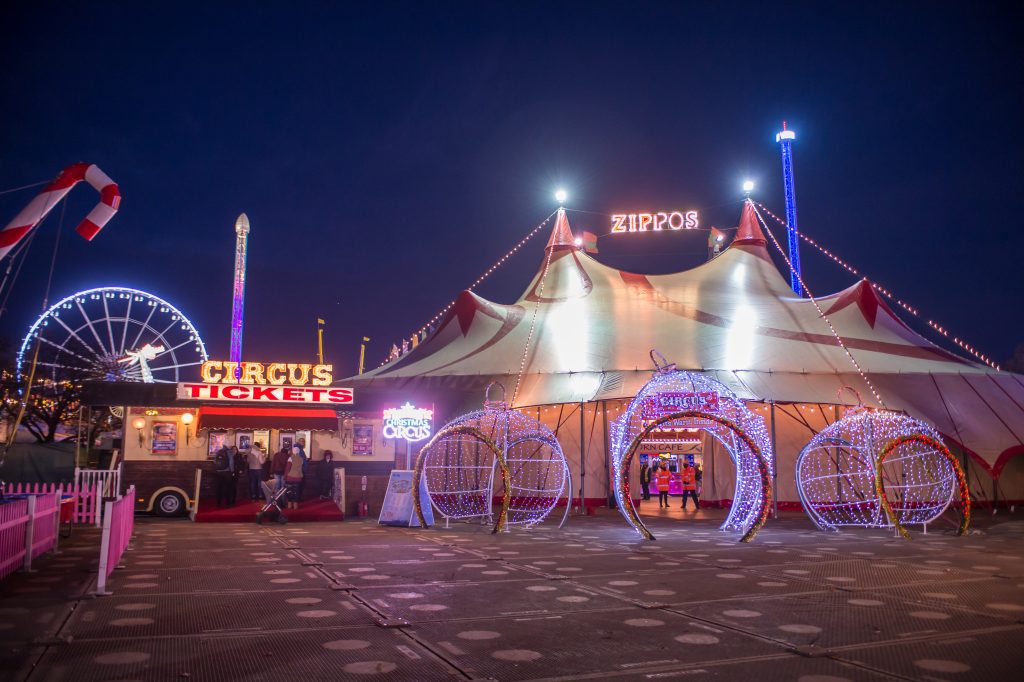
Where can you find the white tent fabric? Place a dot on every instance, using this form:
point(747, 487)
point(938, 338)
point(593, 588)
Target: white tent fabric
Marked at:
point(733, 317)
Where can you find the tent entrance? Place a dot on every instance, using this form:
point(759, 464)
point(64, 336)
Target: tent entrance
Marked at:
point(674, 448)
point(691, 401)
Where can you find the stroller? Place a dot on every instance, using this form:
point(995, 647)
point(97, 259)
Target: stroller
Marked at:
point(273, 504)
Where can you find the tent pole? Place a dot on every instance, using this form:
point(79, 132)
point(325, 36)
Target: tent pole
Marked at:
point(775, 466)
point(607, 455)
point(583, 458)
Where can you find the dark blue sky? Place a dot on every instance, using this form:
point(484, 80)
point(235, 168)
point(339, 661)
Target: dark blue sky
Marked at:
point(387, 153)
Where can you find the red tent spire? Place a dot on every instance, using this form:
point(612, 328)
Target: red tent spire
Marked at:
point(749, 236)
point(749, 231)
point(561, 236)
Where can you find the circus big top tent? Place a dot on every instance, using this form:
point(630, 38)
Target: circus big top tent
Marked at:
point(588, 329)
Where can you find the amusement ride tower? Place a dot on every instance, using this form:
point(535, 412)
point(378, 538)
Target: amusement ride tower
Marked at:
point(238, 292)
point(785, 140)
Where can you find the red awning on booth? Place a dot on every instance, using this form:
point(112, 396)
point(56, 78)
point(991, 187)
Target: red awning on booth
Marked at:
point(211, 417)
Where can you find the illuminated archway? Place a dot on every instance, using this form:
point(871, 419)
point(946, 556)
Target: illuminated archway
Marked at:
point(692, 400)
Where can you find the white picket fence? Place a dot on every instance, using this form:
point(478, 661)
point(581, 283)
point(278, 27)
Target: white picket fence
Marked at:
point(89, 489)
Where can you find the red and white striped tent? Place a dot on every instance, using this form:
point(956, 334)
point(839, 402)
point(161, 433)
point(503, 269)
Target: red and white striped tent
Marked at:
point(734, 318)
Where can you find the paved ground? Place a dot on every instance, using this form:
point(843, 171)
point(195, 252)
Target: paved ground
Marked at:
point(355, 601)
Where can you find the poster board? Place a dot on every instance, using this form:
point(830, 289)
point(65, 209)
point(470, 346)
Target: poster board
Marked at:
point(165, 438)
point(362, 440)
point(398, 509)
point(338, 489)
point(263, 438)
point(218, 439)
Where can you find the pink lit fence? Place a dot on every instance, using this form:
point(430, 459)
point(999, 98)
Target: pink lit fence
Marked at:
point(118, 525)
point(88, 497)
point(28, 529)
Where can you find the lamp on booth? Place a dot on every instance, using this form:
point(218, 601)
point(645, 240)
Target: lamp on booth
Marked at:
point(140, 423)
point(186, 419)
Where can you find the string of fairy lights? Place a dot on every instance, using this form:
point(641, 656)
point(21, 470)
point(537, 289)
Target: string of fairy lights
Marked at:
point(460, 462)
point(845, 478)
point(533, 325)
point(821, 313)
point(741, 432)
point(480, 280)
point(887, 293)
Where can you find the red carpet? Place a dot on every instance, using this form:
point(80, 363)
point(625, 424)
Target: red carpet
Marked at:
point(245, 512)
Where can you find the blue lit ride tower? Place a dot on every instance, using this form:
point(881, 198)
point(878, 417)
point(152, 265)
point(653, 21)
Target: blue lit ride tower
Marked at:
point(238, 293)
point(785, 140)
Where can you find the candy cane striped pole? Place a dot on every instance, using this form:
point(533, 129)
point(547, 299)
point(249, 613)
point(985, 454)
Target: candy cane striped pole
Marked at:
point(43, 203)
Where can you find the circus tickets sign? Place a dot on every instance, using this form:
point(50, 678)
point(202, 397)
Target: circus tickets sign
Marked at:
point(408, 422)
point(241, 393)
point(669, 402)
point(266, 374)
point(655, 222)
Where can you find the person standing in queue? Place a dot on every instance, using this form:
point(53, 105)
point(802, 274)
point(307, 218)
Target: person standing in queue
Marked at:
point(254, 459)
point(663, 476)
point(225, 464)
point(293, 477)
point(688, 479)
point(301, 445)
point(645, 480)
point(325, 475)
point(278, 467)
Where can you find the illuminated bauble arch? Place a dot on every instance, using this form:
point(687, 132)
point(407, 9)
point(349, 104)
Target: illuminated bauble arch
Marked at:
point(679, 399)
point(490, 452)
point(113, 334)
point(877, 469)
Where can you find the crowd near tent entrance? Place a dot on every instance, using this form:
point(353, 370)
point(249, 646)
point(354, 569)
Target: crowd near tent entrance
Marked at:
point(488, 455)
point(678, 399)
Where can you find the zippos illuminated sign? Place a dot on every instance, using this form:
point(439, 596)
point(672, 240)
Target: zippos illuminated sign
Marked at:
point(654, 222)
point(408, 422)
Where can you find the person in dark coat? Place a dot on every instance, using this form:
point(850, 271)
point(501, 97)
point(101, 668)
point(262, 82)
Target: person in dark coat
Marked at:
point(227, 463)
point(325, 475)
point(278, 466)
point(645, 480)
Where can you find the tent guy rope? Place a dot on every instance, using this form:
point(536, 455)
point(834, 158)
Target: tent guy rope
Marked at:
point(479, 280)
point(885, 292)
point(821, 313)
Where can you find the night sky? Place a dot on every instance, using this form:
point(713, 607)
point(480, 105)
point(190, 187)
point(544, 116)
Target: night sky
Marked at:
point(387, 153)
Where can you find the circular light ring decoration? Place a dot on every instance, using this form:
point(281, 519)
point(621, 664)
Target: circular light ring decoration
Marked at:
point(113, 334)
point(721, 414)
point(761, 515)
point(465, 460)
point(450, 502)
point(850, 473)
point(940, 447)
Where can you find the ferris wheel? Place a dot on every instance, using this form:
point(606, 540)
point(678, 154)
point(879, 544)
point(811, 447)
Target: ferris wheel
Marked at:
point(113, 334)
